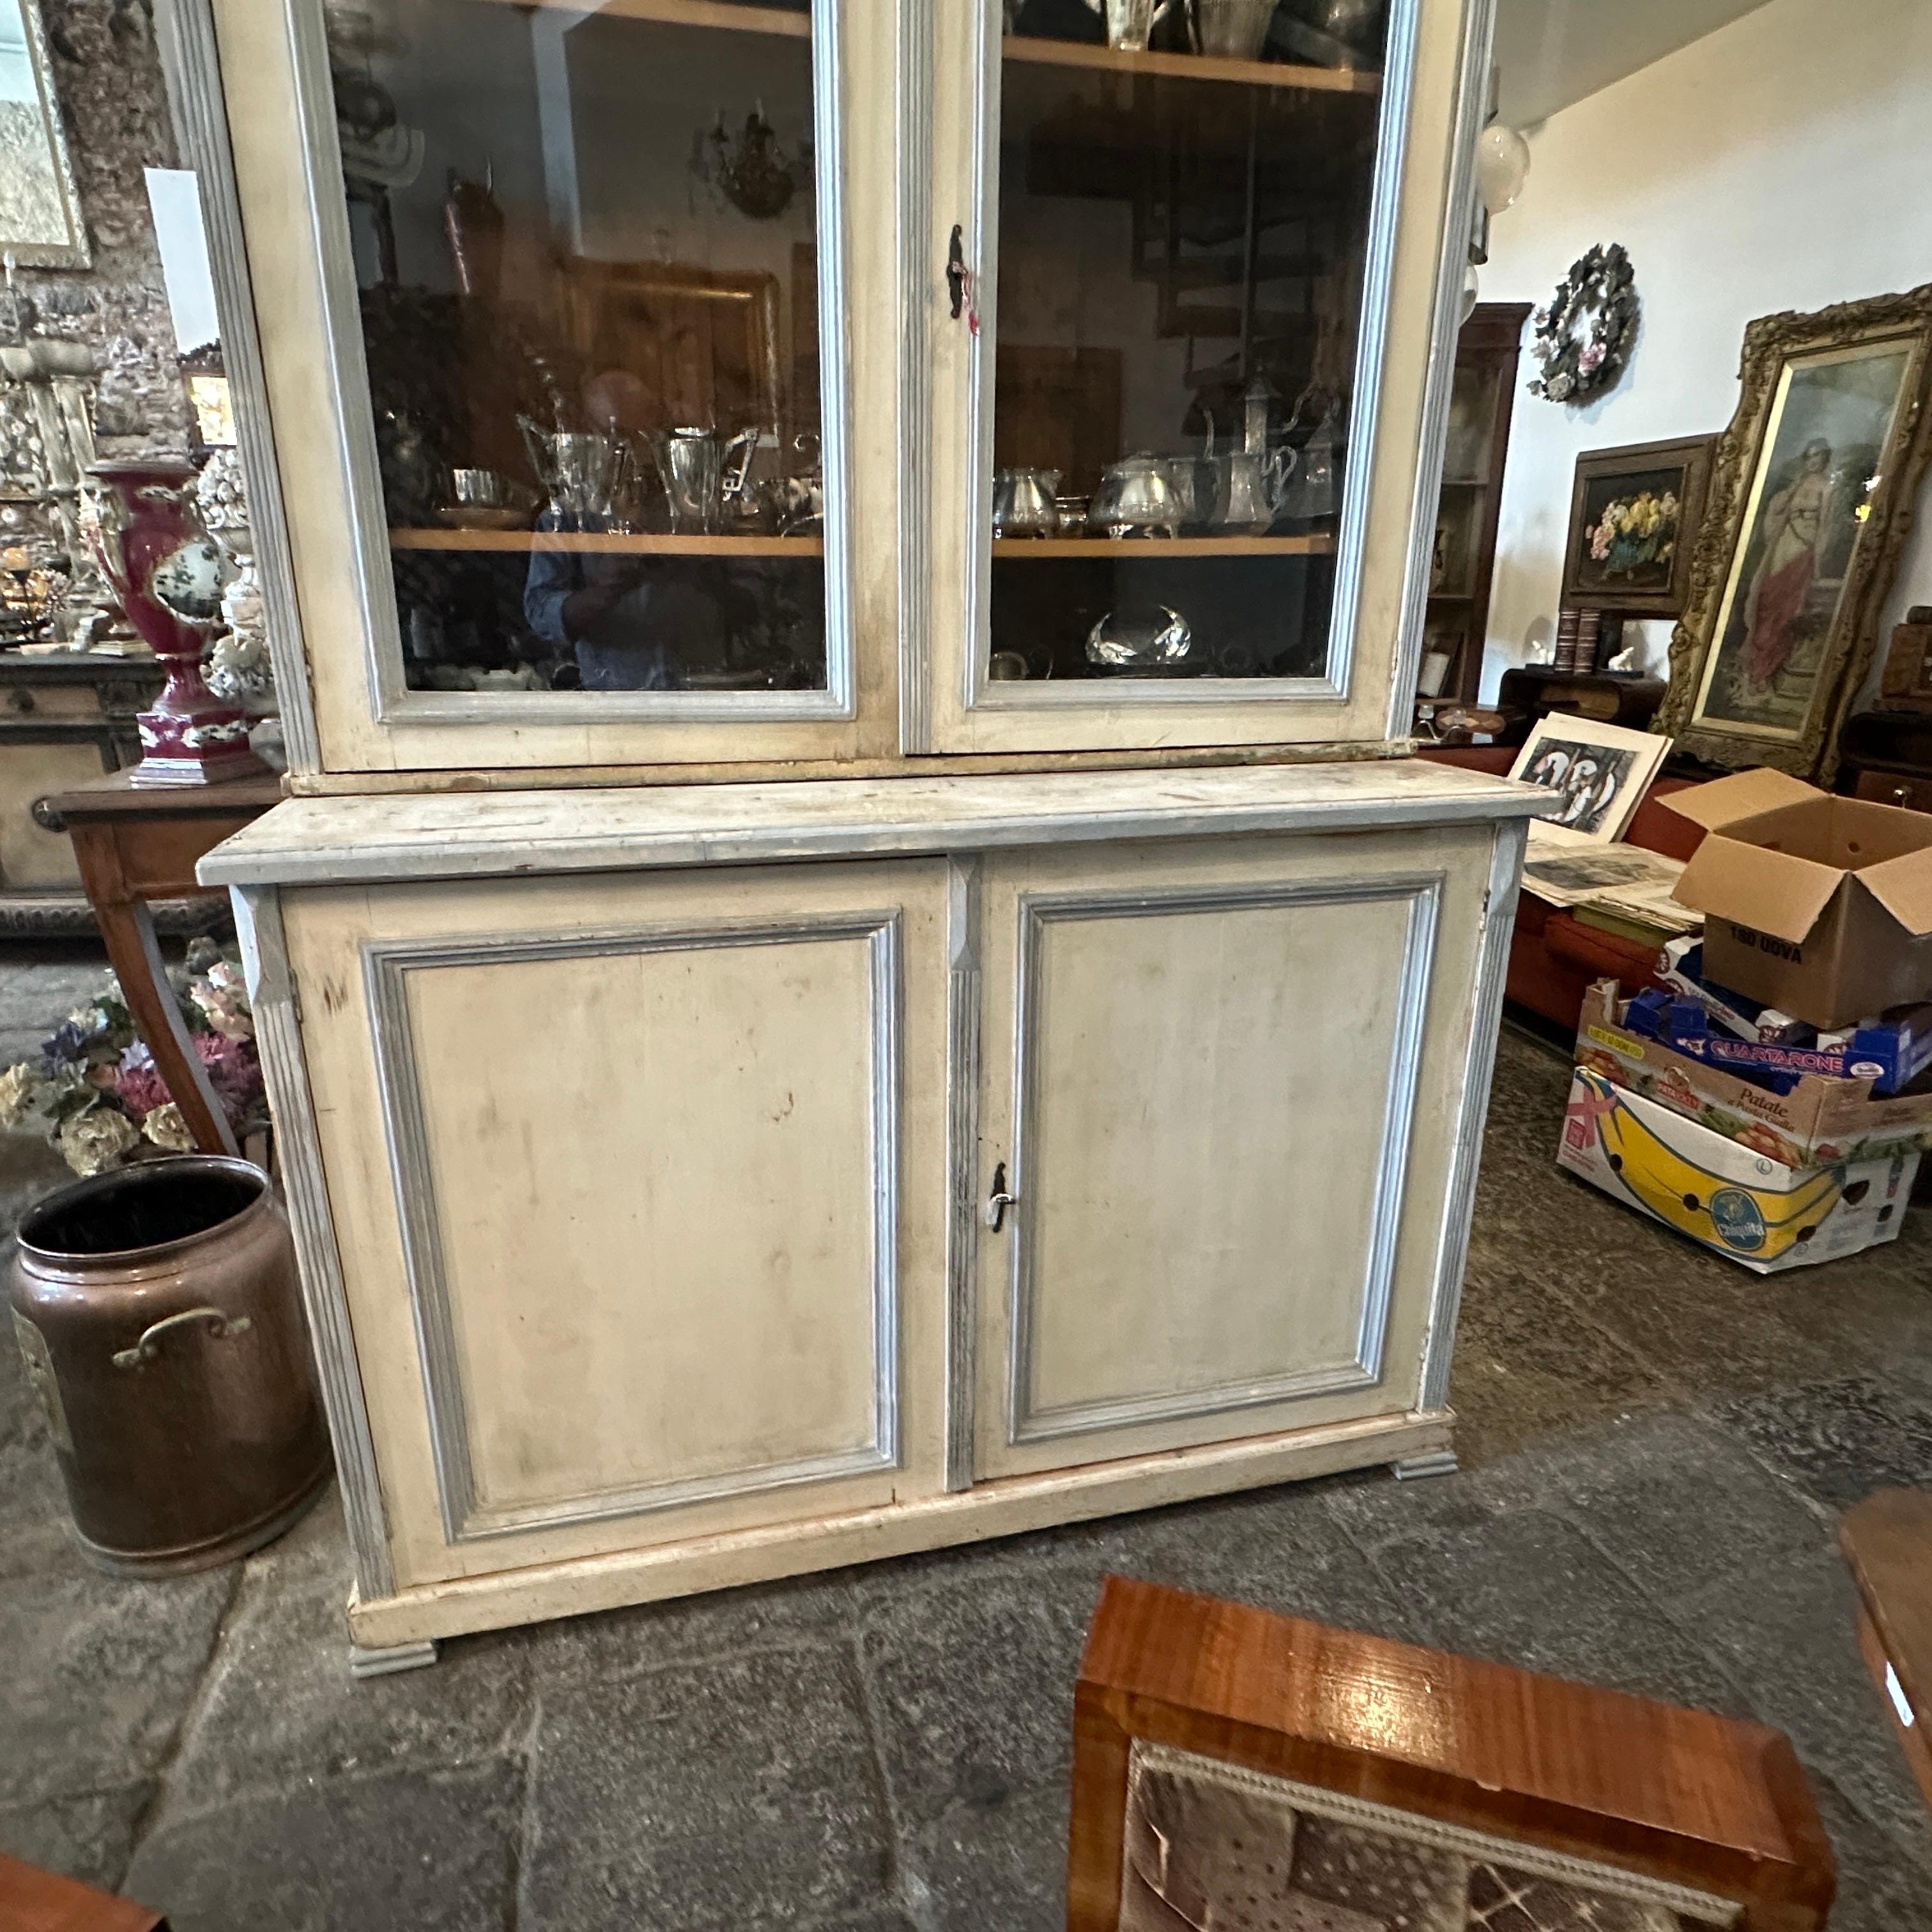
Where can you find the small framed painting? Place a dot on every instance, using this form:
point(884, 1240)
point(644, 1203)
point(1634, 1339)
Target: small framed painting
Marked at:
point(1634, 518)
point(1602, 772)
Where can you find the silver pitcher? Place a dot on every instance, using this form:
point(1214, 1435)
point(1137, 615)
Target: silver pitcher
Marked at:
point(1023, 505)
point(1130, 23)
point(591, 478)
point(700, 468)
point(1251, 482)
point(1138, 498)
point(1230, 29)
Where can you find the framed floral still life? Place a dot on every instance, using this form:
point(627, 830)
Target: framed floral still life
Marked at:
point(1812, 493)
point(1633, 519)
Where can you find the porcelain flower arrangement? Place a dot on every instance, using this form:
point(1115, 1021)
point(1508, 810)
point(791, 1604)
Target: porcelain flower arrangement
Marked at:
point(95, 1092)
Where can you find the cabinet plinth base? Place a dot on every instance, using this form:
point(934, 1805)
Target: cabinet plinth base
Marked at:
point(1005, 1506)
point(1439, 1462)
point(385, 1661)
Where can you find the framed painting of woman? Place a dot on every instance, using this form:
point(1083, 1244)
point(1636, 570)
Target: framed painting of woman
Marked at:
point(1811, 495)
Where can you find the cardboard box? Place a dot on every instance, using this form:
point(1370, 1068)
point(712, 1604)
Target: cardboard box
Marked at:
point(1818, 905)
point(1819, 1121)
point(1758, 1212)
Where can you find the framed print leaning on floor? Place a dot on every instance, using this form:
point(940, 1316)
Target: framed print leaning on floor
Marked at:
point(1634, 518)
point(1812, 493)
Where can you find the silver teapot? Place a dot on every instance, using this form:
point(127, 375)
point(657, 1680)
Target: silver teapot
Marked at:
point(1138, 496)
point(699, 468)
point(1023, 505)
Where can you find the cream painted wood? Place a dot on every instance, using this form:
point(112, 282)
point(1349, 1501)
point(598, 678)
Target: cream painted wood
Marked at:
point(319, 412)
point(395, 836)
point(1431, 116)
point(1004, 1508)
point(1221, 1082)
point(640, 1186)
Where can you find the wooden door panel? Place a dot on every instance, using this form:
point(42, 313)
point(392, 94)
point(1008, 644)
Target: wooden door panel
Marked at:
point(669, 1170)
point(1209, 1078)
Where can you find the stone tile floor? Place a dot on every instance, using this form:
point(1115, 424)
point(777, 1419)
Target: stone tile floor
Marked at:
point(1654, 1446)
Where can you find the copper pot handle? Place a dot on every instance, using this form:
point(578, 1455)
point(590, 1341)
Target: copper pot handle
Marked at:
point(147, 1348)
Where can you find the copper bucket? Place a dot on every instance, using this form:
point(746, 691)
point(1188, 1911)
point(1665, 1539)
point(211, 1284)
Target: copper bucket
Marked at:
point(156, 1310)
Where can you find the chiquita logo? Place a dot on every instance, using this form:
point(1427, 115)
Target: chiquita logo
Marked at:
point(1735, 1216)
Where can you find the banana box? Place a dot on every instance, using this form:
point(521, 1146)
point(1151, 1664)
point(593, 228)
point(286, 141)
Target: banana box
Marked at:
point(1757, 1211)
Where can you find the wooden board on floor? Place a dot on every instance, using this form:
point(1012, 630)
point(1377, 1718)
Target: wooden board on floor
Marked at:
point(33, 1901)
point(1887, 1542)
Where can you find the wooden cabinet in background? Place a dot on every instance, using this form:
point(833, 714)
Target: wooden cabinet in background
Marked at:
point(1887, 756)
point(65, 720)
point(1480, 404)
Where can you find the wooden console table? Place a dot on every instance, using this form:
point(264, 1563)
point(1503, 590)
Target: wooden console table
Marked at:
point(135, 844)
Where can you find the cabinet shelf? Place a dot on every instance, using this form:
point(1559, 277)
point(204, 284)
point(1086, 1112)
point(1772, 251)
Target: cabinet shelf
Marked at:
point(1182, 66)
point(1151, 549)
point(720, 14)
point(643, 545)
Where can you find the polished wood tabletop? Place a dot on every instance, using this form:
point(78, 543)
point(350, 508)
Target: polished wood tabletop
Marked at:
point(1680, 1797)
point(135, 843)
point(33, 1901)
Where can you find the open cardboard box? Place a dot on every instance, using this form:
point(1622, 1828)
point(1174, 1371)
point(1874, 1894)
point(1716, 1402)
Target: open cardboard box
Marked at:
point(1818, 905)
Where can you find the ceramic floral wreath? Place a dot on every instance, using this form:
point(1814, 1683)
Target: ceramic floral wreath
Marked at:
point(1600, 291)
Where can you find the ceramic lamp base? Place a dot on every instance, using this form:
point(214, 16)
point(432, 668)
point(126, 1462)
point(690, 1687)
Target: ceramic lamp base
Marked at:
point(177, 751)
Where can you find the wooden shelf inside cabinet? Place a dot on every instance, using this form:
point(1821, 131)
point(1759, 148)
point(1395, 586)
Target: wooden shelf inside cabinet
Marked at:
point(716, 13)
point(1190, 67)
point(514, 541)
point(1151, 549)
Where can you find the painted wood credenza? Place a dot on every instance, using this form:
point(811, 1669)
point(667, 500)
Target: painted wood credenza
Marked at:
point(856, 959)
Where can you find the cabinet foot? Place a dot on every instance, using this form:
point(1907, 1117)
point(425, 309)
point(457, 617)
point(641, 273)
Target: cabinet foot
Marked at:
point(1437, 1463)
point(365, 1663)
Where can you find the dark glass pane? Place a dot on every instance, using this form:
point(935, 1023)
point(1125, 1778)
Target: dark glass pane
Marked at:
point(585, 247)
point(1183, 222)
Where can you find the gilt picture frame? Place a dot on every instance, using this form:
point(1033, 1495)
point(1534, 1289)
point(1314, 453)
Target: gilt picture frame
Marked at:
point(1634, 516)
point(1812, 490)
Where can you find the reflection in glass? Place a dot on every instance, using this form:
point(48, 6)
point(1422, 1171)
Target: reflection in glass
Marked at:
point(586, 249)
point(1183, 220)
point(40, 217)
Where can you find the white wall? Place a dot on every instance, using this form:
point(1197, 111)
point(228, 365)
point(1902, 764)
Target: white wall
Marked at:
point(1784, 162)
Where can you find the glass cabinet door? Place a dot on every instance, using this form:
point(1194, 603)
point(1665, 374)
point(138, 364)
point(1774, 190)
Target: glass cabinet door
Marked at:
point(1185, 230)
point(583, 263)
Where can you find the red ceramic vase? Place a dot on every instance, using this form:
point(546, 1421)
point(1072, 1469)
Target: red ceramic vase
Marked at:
point(143, 527)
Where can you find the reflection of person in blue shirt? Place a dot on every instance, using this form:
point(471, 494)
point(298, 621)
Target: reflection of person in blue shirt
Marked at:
point(631, 623)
